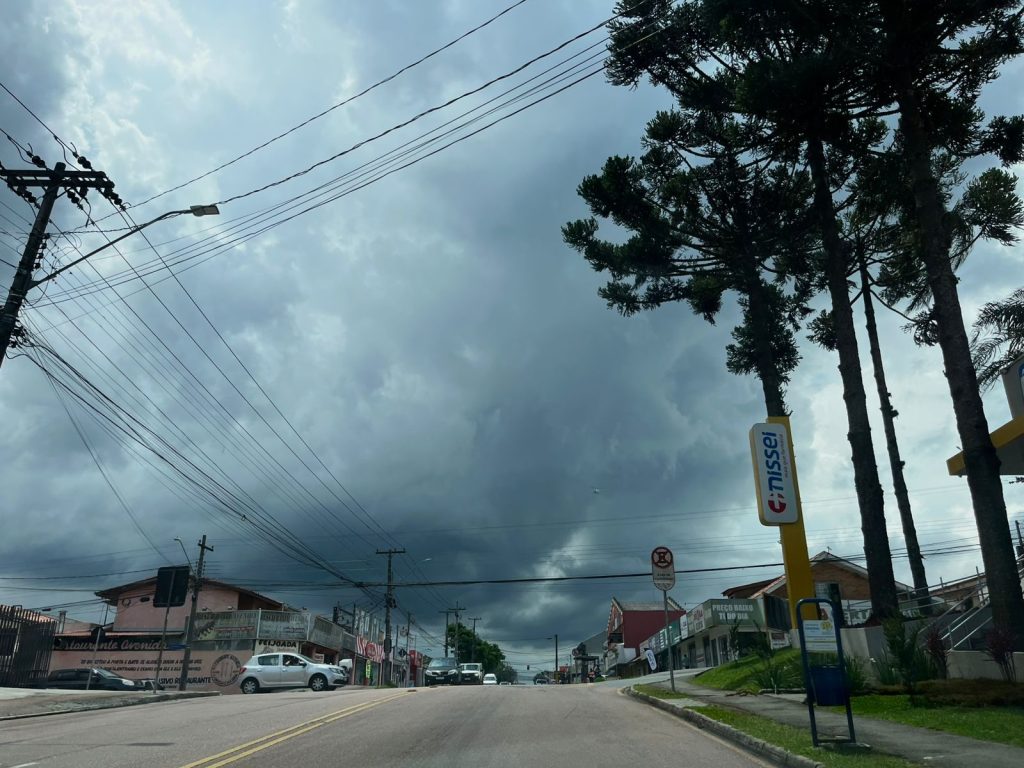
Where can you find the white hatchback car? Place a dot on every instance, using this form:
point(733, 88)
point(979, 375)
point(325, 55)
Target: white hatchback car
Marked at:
point(289, 670)
point(490, 679)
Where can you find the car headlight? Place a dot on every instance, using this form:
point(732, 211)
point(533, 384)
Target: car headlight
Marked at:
point(129, 683)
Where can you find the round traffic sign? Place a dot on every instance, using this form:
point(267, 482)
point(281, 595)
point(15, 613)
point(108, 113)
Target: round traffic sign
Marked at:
point(661, 557)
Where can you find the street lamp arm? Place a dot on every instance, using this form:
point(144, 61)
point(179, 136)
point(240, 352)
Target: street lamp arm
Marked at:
point(195, 210)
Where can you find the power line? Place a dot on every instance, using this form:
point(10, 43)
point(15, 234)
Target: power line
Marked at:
point(338, 105)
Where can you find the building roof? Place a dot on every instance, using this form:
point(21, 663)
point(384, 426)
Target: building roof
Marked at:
point(824, 557)
point(627, 607)
point(746, 590)
point(112, 594)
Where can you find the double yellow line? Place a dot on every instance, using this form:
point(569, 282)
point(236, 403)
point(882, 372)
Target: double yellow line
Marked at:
point(258, 745)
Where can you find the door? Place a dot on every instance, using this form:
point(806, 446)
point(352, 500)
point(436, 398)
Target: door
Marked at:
point(293, 670)
point(269, 669)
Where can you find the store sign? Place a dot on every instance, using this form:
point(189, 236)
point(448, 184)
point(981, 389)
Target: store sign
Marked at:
point(697, 619)
point(684, 626)
point(284, 625)
point(227, 625)
point(369, 650)
point(743, 612)
point(774, 481)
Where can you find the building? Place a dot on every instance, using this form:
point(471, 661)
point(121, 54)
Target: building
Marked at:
point(836, 578)
point(232, 623)
point(629, 627)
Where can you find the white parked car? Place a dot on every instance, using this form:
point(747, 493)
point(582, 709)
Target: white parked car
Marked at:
point(490, 679)
point(289, 670)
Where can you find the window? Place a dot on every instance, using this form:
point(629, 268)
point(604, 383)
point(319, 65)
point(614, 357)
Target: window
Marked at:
point(269, 661)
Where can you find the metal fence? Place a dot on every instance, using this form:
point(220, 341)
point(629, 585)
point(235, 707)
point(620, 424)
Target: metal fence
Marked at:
point(26, 641)
point(269, 625)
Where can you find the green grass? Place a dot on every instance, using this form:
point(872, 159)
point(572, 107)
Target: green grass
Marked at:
point(659, 693)
point(739, 675)
point(798, 740)
point(1002, 724)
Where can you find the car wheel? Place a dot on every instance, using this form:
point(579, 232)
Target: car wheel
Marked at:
point(318, 683)
point(250, 685)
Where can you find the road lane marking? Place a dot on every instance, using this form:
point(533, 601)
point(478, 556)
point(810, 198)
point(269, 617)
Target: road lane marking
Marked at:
point(251, 747)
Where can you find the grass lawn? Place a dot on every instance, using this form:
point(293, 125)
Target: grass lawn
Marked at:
point(1002, 724)
point(798, 740)
point(659, 693)
point(739, 675)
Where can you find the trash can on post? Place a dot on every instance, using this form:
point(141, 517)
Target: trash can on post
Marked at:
point(828, 685)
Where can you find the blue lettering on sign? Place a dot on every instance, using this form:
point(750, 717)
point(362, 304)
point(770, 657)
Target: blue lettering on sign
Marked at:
point(773, 469)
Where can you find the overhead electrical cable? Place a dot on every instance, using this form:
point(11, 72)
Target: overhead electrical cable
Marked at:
point(333, 107)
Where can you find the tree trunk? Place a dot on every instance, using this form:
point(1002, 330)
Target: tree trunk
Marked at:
point(884, 601)
point(980, 459)
point(899, 482)
point(767, 365)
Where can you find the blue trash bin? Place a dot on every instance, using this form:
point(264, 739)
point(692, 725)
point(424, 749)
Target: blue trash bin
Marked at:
point(828, 686)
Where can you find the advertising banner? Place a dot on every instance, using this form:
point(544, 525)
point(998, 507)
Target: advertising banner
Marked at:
point(777, 502)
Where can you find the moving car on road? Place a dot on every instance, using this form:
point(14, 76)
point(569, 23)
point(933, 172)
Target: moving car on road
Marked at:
point(441, 672)
point(102, 680)
point(473, 674)
point(289, 670)
point(490, 679)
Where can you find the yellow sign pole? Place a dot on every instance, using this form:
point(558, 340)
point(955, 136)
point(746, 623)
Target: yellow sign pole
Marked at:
point(799, 583)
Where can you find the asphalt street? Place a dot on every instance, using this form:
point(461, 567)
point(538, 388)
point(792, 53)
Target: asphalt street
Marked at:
point(583, 726)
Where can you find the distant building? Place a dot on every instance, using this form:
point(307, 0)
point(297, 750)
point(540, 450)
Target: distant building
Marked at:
point(630, 624)
point(232, 623)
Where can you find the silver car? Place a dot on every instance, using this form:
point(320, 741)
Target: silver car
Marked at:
point(289, 670)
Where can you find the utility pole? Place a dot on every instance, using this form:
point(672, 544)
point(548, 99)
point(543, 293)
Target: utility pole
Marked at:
point(190, 636)
point(446, 613)
point(22, 282)
point(408, 662)
point(1020, 540)
point(472, 654)
point(455, 646)
point(389, 603)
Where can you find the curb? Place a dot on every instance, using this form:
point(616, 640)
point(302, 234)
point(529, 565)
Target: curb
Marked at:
point(758, 746)
point(116, 703)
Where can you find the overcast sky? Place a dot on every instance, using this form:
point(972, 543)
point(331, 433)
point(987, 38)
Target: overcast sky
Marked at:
point(430, 337)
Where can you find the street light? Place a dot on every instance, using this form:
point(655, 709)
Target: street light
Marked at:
point(195, 210)
point(23, 281)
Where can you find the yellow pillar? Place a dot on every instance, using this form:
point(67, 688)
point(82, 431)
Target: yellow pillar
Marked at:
point(799, 583)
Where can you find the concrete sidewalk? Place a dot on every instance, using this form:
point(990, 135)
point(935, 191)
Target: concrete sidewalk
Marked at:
point(16, 703)
point(919, 745)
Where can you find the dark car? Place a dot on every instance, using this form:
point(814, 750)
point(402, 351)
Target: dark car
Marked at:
point(441, 672)
point(101, 680)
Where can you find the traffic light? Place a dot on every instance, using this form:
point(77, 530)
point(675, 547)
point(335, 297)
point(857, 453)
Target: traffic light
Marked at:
point(171, 586)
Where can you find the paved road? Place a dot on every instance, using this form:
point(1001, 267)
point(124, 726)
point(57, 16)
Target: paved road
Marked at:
point(563, 726)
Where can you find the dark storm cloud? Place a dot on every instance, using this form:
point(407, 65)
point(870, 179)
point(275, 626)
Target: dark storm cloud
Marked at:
point(430, 336)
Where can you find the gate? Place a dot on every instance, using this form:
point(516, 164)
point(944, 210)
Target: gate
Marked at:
point(26, 641)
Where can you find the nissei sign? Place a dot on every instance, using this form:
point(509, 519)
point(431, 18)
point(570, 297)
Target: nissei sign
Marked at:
point(777, 502)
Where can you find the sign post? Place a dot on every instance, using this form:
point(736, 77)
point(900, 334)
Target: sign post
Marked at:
point(778, 503)
point(826, 683)
point(663, 569)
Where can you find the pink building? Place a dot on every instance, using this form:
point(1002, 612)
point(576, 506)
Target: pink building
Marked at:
point(232, 623)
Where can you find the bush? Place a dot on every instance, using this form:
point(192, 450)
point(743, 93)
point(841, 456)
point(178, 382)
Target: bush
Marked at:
point(908, 658)
point(885, 671)
point(856, 676)
point(999, 644)
point(937, 651)
point(775, 676)
point(972, 693)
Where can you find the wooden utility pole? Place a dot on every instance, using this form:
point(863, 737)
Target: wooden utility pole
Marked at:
point(190, 637)
point(389, 603)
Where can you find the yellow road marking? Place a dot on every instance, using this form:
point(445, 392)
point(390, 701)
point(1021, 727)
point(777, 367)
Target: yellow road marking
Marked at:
point(257, 745)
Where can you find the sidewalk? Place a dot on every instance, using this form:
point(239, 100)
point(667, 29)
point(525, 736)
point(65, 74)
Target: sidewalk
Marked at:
point(919, 745)
point(16, 703)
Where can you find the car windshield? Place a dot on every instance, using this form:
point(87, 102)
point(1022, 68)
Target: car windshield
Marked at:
point(442, 664)
point(472, 667)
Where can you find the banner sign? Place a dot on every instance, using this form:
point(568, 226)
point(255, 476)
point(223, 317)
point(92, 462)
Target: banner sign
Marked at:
point(773, 475)
point(369, 650)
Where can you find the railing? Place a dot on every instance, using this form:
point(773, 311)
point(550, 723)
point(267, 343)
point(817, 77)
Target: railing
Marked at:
point(268, 625)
